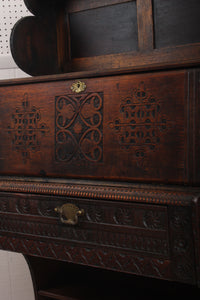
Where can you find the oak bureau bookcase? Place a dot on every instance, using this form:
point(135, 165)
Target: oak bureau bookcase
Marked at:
point(99, 153)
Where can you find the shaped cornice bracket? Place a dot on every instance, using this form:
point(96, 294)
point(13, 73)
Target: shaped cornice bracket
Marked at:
point(34, 39)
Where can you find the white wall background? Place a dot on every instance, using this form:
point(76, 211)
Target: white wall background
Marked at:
point(15, 278)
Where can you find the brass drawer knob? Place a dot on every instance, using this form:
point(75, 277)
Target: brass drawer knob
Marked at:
point(69, 213)
point(78, 87)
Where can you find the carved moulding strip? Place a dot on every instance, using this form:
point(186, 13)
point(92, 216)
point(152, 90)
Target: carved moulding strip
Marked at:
point(99, 190)
point(99, 212)
point(150, 245)
point(90, 256)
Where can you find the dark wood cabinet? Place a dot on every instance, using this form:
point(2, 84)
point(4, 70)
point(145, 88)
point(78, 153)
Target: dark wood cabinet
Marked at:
point(135, 229)
point(145, 230)
point(99, 156)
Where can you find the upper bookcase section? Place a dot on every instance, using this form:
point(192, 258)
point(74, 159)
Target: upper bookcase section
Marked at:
point(77, 35)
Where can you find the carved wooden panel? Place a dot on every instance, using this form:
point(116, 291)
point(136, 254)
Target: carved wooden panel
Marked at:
point(90, 256)
point(78, 127)
point(130, 127)
point(26, 129)
point(140, 228)
point(142, 126)
point(133, 238)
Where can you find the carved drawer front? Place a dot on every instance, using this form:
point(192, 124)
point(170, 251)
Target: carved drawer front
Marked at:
point(143, 239)
point(140, 228)
point(128, 127)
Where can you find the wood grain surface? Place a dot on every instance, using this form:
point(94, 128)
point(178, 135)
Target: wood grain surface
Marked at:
point(130, 127)
point(70, 36)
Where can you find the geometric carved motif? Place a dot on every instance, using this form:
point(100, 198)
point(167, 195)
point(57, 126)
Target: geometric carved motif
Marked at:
point(141, 124)
point(26, 129)
point(93, 256)
point(79, 127)
point(106, 238)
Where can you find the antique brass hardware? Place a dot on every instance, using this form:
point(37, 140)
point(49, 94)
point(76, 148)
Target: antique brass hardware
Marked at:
point(78, 87)
point(69, 213)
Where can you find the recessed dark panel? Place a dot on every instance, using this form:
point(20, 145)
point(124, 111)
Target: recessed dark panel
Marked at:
point(105, 30)
point(176, 22)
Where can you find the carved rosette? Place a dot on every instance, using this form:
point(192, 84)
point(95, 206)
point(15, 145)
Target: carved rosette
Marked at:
point(23, 206)
point(182, 244)
point(124, 216)
point(154, 220)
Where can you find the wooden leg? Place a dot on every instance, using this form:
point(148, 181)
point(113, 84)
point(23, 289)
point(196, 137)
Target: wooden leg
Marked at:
point(45, 274)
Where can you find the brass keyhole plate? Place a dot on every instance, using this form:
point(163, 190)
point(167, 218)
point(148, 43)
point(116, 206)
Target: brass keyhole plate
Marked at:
point(78, 87)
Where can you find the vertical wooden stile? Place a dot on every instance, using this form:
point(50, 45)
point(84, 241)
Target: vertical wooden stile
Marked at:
point(63, 41)
point(145, 25)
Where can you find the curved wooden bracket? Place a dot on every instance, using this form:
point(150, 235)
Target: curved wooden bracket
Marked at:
point(41, 8)
point(34, 39)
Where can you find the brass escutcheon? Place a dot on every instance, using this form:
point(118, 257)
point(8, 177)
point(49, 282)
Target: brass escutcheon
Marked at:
point(69, 213)
point(78, 87)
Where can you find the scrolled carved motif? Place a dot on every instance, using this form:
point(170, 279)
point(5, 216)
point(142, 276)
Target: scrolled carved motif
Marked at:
point(79, 124)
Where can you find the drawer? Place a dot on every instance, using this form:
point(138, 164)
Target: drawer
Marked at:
point(140, 238)
point(102, 223)
point(130, 127)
